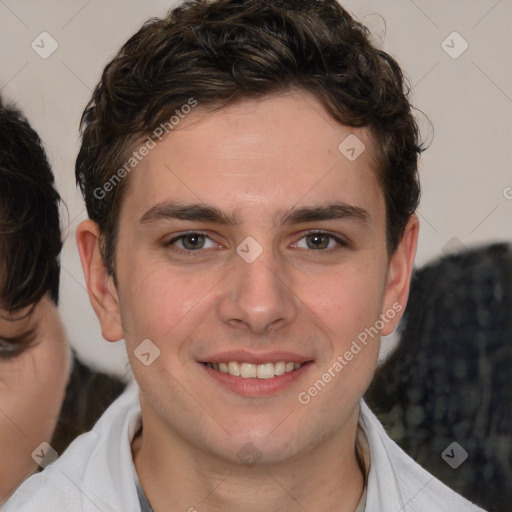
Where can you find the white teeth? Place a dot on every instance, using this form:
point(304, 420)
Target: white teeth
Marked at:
point(255, 371)
point(234, 368)
point(248, 371)
point(279, 368)
point(265, 371)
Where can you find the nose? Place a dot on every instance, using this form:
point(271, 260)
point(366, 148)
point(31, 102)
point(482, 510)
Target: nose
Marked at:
point(257, 296)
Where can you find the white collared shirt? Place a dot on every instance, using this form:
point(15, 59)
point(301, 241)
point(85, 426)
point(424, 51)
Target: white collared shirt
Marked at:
point(96, 473)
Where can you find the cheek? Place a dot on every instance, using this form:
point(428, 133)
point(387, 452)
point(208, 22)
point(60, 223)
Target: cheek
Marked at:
point(31, 396)
point(15, 449)
point(45, 390)
point(166, 307)
point(348, 301)
point(159, 298)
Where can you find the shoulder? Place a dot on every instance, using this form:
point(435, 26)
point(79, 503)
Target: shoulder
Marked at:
point(86, 476)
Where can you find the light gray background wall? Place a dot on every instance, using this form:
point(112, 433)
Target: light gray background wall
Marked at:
point(467, 95)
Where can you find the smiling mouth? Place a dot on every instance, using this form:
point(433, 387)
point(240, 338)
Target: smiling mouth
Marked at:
point(255, 371)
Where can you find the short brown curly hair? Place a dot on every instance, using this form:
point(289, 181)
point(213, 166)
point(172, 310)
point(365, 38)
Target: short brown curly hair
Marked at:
point(223, 51)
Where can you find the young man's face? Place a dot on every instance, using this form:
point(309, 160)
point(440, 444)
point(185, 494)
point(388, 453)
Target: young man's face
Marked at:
point(34, 370)
point(247, 236)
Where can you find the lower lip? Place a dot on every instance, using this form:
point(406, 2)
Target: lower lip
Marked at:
point(257, 387)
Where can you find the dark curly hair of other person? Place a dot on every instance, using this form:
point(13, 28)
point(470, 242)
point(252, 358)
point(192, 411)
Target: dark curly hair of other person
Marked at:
point(449, 378)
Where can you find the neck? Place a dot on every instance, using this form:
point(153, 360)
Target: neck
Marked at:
point(172, 471)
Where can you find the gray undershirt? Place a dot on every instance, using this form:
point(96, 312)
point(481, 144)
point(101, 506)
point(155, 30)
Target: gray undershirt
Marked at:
point(143, 500)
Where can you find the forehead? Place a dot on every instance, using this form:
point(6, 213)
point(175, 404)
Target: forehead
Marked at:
point(271, 153)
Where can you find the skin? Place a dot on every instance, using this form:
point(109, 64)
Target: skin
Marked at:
point(255, 159)
point(32, 386)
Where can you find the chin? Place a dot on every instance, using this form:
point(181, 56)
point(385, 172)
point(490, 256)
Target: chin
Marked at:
point(262, 446)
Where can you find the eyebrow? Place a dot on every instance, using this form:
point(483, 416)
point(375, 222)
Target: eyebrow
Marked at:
point(192, 212)
point(329, 211)
point(206, 213)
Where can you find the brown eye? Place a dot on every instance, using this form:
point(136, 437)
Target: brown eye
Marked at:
point(192, 242)
point(319, 241)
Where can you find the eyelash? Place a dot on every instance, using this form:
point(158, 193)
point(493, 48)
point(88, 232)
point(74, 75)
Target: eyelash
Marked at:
point(9, 350)
point(339, 241)
point(183, 236)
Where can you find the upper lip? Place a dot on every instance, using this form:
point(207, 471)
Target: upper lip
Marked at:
point(241, 356)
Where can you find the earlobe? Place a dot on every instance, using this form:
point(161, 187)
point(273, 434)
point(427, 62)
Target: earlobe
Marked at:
point(399, 276)
point(100, 286)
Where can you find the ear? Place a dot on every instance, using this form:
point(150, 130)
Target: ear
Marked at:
point(100, 285)
point(399, 276)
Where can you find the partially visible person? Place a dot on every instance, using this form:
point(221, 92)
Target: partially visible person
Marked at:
point(450, 379)
point(250, 173)
point(38, 371)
